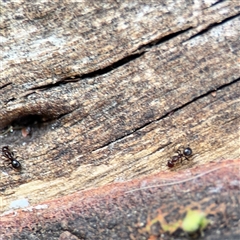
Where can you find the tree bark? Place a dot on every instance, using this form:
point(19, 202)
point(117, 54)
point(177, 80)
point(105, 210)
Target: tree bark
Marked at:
point(97, 93)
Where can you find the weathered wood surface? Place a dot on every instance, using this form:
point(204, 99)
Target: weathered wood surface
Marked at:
point(115, 87)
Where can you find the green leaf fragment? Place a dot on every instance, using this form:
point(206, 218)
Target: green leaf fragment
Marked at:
point(195, 220)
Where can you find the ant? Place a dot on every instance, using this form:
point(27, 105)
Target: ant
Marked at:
point(185, 154)
point(10, 156)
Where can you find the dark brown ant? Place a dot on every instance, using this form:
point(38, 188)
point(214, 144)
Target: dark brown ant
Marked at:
point(10, 156)
point(185, 154)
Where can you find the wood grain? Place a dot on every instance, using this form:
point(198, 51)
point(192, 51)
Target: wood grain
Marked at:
point(111, 89)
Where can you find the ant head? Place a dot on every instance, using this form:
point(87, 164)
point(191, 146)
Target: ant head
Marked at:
point(187, 151)
point(16, 164)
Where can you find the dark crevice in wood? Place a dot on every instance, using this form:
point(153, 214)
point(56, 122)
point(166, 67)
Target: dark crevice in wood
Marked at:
point(231, 120)
point(138, 53)
point(167, 114)
point(111, 67)
point(5, 85)
point(216, 3)
point(93, 74)
point(33, 121)
point(10, 100)
point(30, 120)
point(64, 114)
point(27, 120)
point(29, 93)
point(48, 86)
point(201, 96)
point(169, 37)
point(209, 27)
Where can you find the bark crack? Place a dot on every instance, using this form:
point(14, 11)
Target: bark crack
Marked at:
point(166, 115)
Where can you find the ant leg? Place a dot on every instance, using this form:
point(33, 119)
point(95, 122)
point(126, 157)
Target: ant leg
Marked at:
point(179, 152)
point(5, 163)
point(15, 157)
point(185, 158)
point(181, 148)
